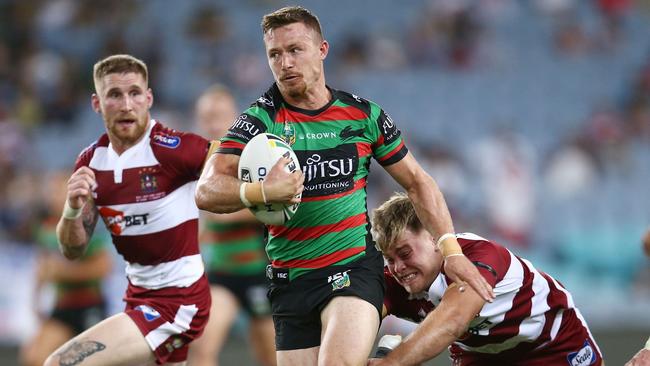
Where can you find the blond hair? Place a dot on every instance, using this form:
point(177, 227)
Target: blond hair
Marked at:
point(391, 219)
point(119, 64)
point(289, 15)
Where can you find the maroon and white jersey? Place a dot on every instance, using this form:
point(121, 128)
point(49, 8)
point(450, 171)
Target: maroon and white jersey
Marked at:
point(525, 315)
point(146, 199)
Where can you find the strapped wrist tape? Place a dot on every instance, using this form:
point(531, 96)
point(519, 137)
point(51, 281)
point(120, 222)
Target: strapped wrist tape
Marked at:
point(71, 213)
point(449, 247)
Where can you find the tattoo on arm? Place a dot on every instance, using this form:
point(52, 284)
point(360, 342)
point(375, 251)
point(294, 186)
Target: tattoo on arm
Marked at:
point(77, 351)
point(89, 219)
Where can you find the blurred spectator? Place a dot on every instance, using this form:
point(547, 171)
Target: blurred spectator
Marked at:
point(613, 13)
point(449, 171)
point(605, 128)
point(446, 28)
point(637, 105)
point(569, 37)
point(572, 168)
point(506, 168)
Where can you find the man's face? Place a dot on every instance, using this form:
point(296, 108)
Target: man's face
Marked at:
point(295, 53)
point(414, 260)
point(215, 114)
point(123, 99)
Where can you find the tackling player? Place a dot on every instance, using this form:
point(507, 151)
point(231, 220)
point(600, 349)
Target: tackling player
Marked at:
point(532, 321)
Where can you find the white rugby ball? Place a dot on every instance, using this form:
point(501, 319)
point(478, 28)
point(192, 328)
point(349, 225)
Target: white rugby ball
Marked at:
point(255, 163)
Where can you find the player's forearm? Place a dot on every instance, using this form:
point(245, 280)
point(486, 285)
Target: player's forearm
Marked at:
point(443, 326)
point(72, 237)
point(218, 193)
point(430, 205)
point(218, 187)
point(425, 343)
point(73, 234)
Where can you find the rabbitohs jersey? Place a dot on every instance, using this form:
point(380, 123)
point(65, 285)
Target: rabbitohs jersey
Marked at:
point(334, 145)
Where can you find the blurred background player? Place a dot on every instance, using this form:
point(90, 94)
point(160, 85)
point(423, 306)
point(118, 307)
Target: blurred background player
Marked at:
point(532, 321)
point(78, 299)
point(233, 250)
point(642, 358)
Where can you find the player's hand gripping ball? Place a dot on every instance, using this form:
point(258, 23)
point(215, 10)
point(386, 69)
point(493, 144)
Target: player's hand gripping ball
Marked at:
point(256, 161)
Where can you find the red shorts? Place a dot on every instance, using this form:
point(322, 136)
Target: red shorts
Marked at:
point(572, 346)
point(170, 318)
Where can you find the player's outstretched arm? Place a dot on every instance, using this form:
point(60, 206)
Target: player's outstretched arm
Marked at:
point(444, 325)
point(79, 215)
point(432, 211)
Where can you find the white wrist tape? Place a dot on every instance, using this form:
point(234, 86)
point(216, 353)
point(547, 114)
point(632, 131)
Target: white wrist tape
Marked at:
point(71, 213)
point(263, 194)
point(647, 344)
point(242, 195)
point(444, 237)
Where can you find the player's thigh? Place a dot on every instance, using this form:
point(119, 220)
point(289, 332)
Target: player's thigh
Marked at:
point(298, 357)
point(114, 341)
point(50, 336)
point(223, 313)
point(349, 329)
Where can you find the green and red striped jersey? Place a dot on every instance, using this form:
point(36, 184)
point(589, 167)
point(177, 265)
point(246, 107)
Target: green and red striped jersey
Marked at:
point(334, 145)
point(235, 248)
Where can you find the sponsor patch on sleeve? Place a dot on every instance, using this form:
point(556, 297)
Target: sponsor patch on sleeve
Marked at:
point(583, 357)
point(170, 142)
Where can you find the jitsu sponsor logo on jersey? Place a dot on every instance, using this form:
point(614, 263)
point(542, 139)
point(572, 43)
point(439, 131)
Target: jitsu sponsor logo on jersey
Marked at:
point(388, 128)
point(329, 171)
point(167, 141)
point(116, 221)
point(150, 314)
point(246, 127)
point(584, 357)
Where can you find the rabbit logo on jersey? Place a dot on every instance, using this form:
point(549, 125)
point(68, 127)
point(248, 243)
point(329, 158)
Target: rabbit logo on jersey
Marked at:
point(584, 357)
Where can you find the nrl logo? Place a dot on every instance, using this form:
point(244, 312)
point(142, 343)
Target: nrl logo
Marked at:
point(288, 133)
